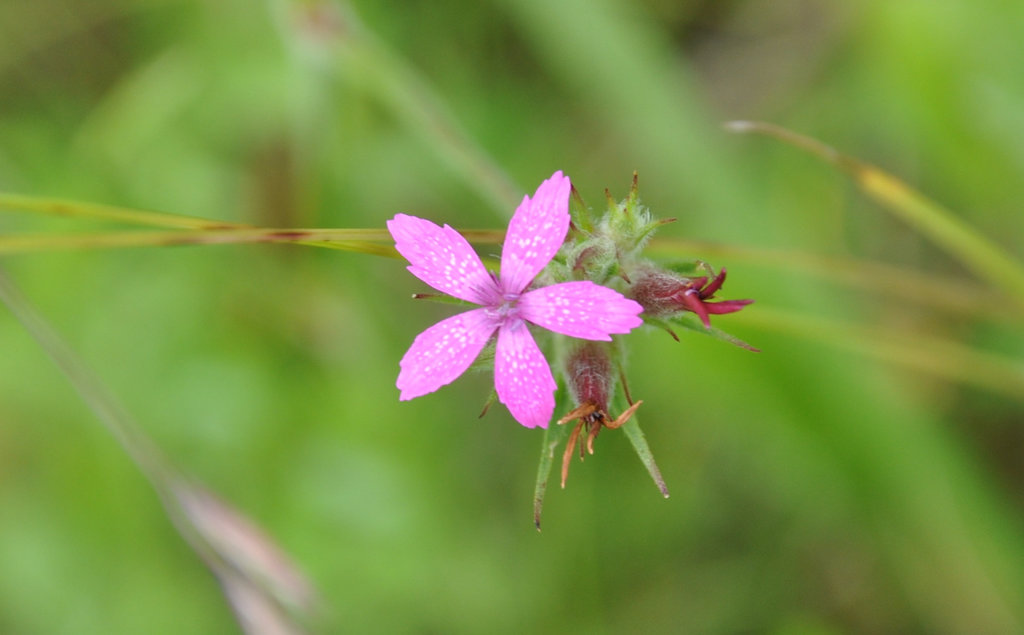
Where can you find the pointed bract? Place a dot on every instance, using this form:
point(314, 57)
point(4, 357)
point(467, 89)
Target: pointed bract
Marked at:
point(580, 309)
point(535, 233)
point(441, 353)
point(442, 258)
point(522, 377)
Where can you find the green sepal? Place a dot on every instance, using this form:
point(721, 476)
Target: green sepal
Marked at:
point(691, 322)
point(443, 299)
point(639, 441)
point(554, 437)
point(484, 362)
point(689, 268)
point(579, 213)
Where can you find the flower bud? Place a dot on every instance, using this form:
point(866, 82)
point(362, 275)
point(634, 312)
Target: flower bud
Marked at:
point(664, 293)
point(589, 369)
point(594, 259)
point(589, 373)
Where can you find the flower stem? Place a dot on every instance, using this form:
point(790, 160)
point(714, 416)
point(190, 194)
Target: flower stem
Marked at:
point(366, 241)
point(984, 257)
point(93, 211)
point(934, 356)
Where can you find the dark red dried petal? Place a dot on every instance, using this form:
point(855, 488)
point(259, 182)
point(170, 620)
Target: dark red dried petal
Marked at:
point(691, 301)
point(726, 306)
point(716, 284)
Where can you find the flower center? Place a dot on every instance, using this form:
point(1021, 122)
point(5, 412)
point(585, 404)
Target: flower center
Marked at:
point(507, 309)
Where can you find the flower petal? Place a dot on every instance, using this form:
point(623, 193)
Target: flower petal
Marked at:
point(691, 301)
point(726, 306)
point(580, 309)
point(441, 353)
point(716, 284)
point(522, 377)
point(535, 233)
point(442, 258)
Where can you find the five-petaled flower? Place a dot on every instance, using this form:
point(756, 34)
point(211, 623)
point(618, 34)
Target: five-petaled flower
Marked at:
point(443, 259)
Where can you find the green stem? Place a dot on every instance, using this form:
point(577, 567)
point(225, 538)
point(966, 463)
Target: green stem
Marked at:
point(930, 355)
point(364, 59)
point(877, 278)
point(358, 240)
point(76, 209)
point(984, 257)
point(948, 293)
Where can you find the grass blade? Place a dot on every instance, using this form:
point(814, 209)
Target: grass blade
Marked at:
point(979, 254)
point(366, 241)
point(933, 356)
point(93, 211)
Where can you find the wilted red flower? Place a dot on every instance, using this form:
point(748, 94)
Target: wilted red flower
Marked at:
point(589, 369)
point(663, 293)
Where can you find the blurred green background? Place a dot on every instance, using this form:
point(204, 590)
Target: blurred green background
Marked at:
point(815, 489)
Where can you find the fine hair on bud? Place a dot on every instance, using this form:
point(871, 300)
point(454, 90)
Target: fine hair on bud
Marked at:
point(589, 373)
point(657, 290)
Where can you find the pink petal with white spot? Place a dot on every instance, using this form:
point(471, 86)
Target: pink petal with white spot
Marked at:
point(443, 352)
point(442, 258)
point(522, 377)
point(580, 309)
point(535, 233)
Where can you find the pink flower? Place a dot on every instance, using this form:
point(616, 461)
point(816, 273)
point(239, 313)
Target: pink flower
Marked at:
point(442, 258)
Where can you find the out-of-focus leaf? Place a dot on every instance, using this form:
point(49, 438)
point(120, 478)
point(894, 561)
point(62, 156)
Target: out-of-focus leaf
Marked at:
point(266, 591)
